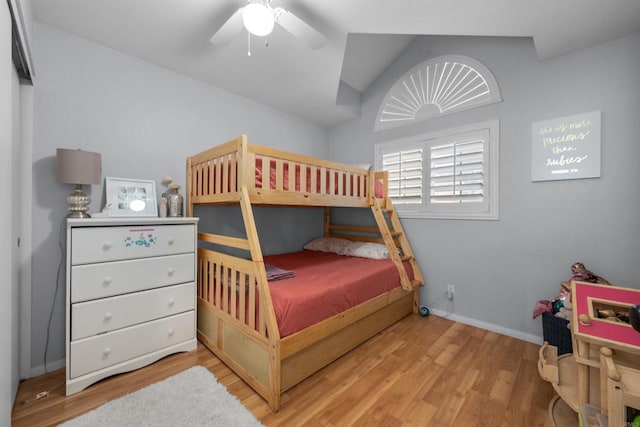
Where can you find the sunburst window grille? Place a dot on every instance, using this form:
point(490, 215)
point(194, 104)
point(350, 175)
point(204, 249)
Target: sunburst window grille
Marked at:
point(439, 86)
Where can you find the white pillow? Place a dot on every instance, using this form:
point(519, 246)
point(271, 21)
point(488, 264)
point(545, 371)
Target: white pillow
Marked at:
point(326, 244)
point(365, 250)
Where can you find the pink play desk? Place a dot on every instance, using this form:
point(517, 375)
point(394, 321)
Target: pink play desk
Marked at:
point(587, 298)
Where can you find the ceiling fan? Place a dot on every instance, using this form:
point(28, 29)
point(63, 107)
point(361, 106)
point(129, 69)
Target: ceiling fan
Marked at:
point(259, 17)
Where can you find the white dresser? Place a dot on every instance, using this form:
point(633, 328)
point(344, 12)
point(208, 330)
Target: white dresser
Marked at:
point(130, 294)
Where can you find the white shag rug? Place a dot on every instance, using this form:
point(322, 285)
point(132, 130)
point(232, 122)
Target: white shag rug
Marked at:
point(191, 398)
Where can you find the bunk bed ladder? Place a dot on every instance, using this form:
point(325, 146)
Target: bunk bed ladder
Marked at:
point(265, 296)
point(396, 233)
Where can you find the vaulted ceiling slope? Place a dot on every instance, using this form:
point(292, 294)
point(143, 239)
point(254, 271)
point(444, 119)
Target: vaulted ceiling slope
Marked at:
point(363, 38)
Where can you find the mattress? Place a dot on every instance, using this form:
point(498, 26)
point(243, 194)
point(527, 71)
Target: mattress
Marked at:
point(326, 284)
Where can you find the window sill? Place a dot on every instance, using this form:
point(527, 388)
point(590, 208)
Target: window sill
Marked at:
point(463, 216)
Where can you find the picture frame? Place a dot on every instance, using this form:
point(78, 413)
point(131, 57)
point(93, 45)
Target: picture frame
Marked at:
point(127, 197)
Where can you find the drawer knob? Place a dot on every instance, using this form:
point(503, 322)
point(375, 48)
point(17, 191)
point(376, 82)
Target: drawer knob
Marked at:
point(171, 302)
point(171, 270)
point(108, 316)
point(106, 245)
point(170, 332)
point(106, 351)
point(172, 240)
point(107, 281)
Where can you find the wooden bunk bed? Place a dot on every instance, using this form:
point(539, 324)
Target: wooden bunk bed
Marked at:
point(241, 327)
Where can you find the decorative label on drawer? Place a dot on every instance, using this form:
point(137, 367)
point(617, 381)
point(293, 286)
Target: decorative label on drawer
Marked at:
point(141, 237)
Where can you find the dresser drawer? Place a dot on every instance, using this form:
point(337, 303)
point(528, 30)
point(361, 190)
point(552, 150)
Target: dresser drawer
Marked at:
point(100, 244)
point(108, 314)
point(107, 279)
point(101, 351)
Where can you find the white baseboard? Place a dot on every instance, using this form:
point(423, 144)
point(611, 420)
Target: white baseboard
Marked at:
point(51, 366)
point(489, 327)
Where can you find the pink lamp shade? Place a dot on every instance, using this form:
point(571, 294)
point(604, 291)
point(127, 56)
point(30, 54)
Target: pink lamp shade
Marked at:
point(78, 167)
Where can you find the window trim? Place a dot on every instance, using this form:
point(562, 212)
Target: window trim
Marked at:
point(423, 140)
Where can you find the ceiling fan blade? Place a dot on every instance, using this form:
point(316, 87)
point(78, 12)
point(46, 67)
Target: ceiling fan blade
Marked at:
point(229, 29)
point(299, 28)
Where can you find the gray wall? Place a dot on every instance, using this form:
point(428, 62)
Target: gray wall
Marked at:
point(6, 300)
point(145, 121)
point(281, 229)
point(501, 268)
point(9, 220)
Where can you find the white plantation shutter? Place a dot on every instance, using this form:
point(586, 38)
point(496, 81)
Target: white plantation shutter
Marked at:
point(405, 175)
point(457, 171)
point(450, 174)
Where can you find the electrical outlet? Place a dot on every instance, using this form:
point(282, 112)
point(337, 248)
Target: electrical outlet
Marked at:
point(450, 291)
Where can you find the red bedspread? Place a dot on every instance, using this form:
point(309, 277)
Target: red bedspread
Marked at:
point(326, 284)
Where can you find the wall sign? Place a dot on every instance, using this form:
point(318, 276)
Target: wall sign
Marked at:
point(566, 147)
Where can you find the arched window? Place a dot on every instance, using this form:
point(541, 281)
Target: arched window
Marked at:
point(438, 86)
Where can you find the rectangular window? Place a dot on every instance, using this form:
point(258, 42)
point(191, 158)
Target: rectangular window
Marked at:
point(447, 174)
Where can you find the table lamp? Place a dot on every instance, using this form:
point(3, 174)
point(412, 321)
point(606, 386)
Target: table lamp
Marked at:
point(78, 167)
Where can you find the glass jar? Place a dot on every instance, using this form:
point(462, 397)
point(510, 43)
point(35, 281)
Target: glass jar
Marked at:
point(163, 206)
point(174, 201)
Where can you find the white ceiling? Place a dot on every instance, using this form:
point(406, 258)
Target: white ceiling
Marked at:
point(364, 37)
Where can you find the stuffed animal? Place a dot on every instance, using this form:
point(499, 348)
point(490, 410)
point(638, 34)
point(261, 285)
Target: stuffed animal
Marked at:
point(581, 273)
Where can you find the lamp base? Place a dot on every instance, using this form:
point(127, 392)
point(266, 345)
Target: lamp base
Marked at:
point(78, 215)
point(78, 203)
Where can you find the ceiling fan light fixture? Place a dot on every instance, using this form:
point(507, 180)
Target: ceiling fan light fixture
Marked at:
point(258, 19)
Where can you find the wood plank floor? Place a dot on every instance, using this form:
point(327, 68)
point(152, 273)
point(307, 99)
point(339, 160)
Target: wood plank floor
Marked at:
point(419, 372)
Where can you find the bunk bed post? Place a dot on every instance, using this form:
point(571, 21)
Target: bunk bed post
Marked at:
point(327, 221)
point(189, 188)
point(243, 160)
point(371, 190)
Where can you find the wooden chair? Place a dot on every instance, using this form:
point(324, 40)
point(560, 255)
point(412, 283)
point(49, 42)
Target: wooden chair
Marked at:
point(620, 388)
